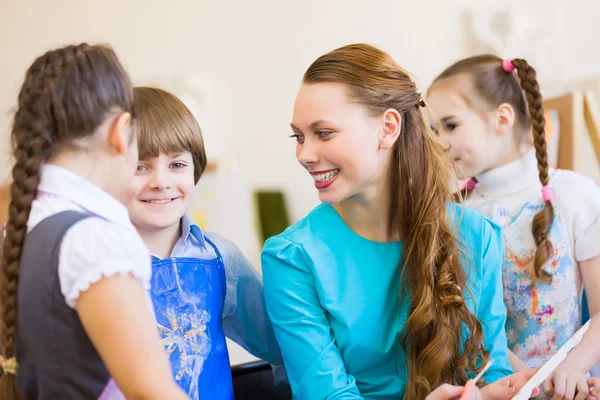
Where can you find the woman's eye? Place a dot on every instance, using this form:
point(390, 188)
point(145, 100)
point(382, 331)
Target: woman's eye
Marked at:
point(299, 138)
point(323, 134)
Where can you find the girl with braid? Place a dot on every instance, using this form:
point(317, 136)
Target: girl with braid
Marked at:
point(489, 111)
point(77, 322)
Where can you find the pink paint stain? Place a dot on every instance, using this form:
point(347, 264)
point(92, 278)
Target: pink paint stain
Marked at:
point(544, 312)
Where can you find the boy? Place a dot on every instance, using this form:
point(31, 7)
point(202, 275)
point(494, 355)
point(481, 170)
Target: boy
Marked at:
point(203, 288)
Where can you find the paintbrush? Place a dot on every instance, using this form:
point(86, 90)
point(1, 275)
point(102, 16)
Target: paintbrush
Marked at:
point(471, 384)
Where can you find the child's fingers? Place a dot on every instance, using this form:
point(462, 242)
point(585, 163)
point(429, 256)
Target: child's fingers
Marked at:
point(548, 386)
point(594, 385)
point(570, 386)
point(560, 387)
point(564, 387)
point(582, 390)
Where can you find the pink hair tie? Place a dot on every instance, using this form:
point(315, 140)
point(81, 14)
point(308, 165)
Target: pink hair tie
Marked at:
point(546, 193)
point(470, 185)
point(508, 66)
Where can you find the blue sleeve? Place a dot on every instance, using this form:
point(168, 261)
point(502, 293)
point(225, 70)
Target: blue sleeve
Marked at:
point(313, 362)
point(245, 319)
point(491, 310)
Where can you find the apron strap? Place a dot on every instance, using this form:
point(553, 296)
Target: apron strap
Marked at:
point(217, 252)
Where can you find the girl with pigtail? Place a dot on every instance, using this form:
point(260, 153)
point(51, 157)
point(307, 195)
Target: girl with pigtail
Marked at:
point(76, 320)
point(489, 115)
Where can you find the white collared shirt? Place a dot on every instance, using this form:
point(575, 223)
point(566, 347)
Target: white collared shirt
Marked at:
point(95, 247)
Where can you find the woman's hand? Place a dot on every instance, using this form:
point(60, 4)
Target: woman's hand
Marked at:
point(502, 389)
point(506, 388)
point(450, 392)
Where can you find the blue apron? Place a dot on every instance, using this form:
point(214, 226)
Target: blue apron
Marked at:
point(188, 295)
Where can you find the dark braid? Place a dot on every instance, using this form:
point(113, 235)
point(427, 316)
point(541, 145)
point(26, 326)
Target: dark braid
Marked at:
point(543, 219)
point(32, 143)
point(493, 86)
point(67, 94)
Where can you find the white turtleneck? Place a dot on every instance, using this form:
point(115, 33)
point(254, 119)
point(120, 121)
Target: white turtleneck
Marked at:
point(575, 197)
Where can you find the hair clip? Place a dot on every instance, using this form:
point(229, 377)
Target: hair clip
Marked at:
point(508, 66)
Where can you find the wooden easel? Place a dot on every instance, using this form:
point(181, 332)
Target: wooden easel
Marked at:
point(576, 111)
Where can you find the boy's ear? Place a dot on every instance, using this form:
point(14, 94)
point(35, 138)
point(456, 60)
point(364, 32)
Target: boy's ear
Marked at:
point(118, 133)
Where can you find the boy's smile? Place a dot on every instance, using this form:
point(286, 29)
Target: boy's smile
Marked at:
point(161, 191)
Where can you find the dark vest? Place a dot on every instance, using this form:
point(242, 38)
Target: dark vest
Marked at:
point(56, 358)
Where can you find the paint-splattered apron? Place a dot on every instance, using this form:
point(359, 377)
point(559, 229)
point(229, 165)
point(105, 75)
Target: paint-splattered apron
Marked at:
point(188, 296)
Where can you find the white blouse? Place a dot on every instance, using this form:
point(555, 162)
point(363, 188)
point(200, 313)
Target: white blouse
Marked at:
point(95, 247)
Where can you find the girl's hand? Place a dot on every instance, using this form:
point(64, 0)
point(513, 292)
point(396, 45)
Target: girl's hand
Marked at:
point(594, 393)
point(567, 383)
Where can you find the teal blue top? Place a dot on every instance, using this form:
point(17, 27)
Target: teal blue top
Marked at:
point(334, 301)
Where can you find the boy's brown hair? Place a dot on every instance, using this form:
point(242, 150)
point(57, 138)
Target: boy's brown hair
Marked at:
point(165, 125)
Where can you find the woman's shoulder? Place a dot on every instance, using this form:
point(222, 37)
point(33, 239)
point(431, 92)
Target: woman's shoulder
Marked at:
point(471, 225)
point(324, 225)
point(322, 221)
point(480, 241)
point(321, 235)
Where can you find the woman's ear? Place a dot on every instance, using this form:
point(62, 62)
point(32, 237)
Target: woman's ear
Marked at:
point(391, 121)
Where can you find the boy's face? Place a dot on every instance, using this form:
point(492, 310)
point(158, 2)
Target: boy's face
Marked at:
point(161, 191)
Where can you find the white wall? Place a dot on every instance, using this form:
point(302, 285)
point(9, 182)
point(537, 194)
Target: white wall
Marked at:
point(256, 51)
